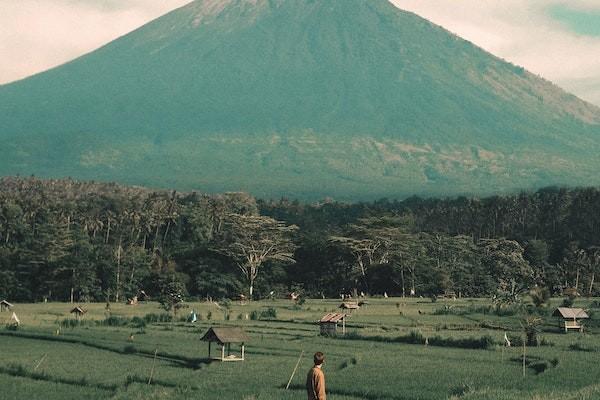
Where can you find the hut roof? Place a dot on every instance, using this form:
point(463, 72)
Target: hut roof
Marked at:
point(349, 306)
point(226, 335)
point(571, 313)
point(6, 303)
point(78, 310)
point(332, 317)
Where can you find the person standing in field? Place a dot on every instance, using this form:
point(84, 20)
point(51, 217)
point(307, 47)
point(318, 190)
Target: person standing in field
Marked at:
point(315, 380)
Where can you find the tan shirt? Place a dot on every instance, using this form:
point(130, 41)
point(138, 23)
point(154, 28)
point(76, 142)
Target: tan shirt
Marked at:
point(315, 384)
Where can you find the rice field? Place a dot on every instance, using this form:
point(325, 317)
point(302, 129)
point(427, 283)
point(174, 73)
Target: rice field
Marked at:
point(111, 355)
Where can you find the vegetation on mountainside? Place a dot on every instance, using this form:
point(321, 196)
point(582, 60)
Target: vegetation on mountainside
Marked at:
point(347, 98)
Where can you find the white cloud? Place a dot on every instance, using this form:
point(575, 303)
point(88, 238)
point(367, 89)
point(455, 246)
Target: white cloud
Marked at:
point(38, 34)
point(524, 33)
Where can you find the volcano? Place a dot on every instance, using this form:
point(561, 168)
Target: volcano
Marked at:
point(352, 99)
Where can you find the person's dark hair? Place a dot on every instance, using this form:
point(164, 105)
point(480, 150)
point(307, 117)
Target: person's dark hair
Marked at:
point(319, 358)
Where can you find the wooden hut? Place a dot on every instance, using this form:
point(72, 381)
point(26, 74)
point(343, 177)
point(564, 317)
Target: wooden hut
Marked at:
point(224, 337)
point(78, 312)
point(349, 306)
point(5, 305)
point(570, 318)
point(329, 324)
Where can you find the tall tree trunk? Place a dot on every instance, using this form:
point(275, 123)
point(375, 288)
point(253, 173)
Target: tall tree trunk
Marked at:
point(166, 231)
point(403, 286)
point(73, 286)
point(591, 284)
point(118, 288)
point(107, 232)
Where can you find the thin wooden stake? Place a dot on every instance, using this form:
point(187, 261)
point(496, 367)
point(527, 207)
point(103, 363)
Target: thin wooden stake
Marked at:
point(524, 357)
point(40, 362)
point(294, 372)
point(153, 364)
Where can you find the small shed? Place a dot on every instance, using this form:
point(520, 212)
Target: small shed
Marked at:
point(142, 296)
point(78, 312)
point(570, 318)
point(329, 324)
point(349, 306)
point(5, 305)
point(224, 337)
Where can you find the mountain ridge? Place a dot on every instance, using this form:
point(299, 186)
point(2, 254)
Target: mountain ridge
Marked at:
point(337, 98)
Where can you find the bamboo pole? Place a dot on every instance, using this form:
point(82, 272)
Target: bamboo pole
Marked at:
point(524, 341)
point(40, 362)
point(153, 364)
point(294, 371)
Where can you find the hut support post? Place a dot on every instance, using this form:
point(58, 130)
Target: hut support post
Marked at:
point(223, 352)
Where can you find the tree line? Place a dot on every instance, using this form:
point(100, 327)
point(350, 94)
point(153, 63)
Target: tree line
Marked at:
point(67, 240)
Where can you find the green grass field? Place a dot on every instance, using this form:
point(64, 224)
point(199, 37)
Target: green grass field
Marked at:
point(98, 361)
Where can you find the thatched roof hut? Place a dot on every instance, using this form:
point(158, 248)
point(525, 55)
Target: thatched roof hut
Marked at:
point(570, 317)
point(5, 305)
point(349, 306)
point(329, 324)
point(224, 337)
point(78, 312)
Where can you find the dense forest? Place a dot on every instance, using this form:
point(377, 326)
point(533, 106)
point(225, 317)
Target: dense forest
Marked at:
point(64, 240)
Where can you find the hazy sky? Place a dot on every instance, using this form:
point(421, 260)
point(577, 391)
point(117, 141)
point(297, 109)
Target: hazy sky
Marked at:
point(557, 39)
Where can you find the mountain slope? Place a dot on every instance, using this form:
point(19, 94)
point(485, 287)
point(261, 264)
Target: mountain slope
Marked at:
point(348, 98)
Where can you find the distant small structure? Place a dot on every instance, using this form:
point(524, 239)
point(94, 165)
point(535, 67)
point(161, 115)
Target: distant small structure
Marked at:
point(329, 324)
point(133, 301)
point(448, 294)
point(570, 318)
point(349, 306)
point(224, 337)
point(142, 296)
point(78, 312)
point(5, 306)
point(293, 296)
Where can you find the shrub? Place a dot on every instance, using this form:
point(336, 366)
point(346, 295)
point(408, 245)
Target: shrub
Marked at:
point(70, 323)
point(129, 349)
point(568, 302)
point(415, 337)
point(115, 321)
point(484, 342)
point(462, 389)
point(155, 318)
point(269, 313)
point(540, 296)
point(539, 366)
point(138, 322)
point(580, 347)
point(254, 315)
